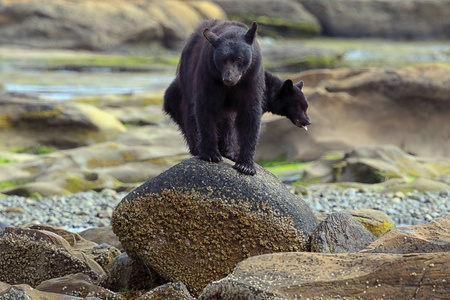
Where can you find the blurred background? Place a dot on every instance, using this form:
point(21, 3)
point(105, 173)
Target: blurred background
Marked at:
point(82, 81)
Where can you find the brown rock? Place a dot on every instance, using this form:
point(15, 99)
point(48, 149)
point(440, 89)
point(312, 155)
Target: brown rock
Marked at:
point(196, 221)
point(96, 25)
point(328, 276)
point(340, 233)
point(24, 291)
point(78, 285)
point(126, 273)
point(168, 291)
point(31, 256)
point(39, 121)
point(101, 235)
point(425, 238)
point(103, 253)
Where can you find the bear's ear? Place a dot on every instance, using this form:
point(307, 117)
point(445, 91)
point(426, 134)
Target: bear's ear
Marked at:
point(299, 84)
point(287, 86)
point(211, 37)
point(251, 33)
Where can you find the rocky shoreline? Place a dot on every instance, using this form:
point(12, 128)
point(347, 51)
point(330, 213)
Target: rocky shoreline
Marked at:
point(92, 209)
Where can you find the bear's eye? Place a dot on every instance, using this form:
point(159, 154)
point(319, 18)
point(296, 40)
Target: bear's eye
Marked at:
point(238, 59)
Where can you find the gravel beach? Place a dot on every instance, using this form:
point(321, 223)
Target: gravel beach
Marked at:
point(92, 209)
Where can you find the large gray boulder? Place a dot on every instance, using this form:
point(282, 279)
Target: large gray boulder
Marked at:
point(418, 19)
point(196, 221)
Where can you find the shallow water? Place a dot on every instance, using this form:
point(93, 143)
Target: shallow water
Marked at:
point(64, 85)
point(25, 71)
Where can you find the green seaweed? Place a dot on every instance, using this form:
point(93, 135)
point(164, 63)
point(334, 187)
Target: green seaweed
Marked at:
point(12, 184)
point(33, 149)
point(5, 160)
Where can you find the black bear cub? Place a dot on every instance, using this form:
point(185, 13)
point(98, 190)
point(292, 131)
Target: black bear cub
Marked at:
point(282, 98)
point(221, 83)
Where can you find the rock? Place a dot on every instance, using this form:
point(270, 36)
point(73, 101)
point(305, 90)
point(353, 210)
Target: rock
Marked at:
point(24, 291)
point(102, 235)
point(78, 285)
point(96, 167)
point(127, 274)
point(420, 184)
point(424, 238)
point(33, 122)
point(340, 233)
point(78, 25)
point(95, 25)
point(179, 18)
point(281, 18)
point(338, 110)
point(305, 275)
point(31, 256)
point(377, 164)
point(102, 253)
point(168, 291)
point(386, 19)
point(288, 57)
point(376, 221)
point(196, 221)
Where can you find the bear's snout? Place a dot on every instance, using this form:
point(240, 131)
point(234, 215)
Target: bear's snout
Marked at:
point(231, 78)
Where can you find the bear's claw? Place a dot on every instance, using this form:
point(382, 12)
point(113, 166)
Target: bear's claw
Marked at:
point(215, 157)
point(245, 169)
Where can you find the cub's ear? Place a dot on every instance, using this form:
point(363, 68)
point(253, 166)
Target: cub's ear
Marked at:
point(250, 35)
point(299, 84)
point(211, 37)
point(287, 86)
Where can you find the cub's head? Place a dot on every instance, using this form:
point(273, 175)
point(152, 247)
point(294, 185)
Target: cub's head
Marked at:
point(232, 52)
point(291, 103)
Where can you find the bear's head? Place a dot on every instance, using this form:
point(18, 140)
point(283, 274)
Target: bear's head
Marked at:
point(291, 103)
point(232, 52)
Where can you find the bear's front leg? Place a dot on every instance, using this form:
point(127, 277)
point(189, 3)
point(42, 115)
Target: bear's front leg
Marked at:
point(228, 143)
point(248, 123)
point(207, 145)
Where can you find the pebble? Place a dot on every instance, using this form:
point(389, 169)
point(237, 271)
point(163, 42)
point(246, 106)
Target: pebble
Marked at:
point(93, 209)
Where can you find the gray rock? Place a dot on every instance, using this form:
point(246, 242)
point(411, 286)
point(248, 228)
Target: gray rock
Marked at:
point(340, 233)
point(420, 19)
point(128, 274)
point(196, 221)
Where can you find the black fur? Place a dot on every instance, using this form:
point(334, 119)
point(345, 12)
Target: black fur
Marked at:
point(281, 97)
point(220, 82)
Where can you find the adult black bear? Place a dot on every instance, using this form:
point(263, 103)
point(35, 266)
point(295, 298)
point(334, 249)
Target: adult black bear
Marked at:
point(221, 82)
point(280, 97)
